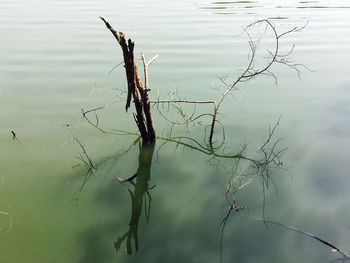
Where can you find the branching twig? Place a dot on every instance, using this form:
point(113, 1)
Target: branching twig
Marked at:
point(232, 208)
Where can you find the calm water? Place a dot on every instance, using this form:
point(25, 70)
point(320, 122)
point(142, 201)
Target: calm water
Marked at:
point(55, 59)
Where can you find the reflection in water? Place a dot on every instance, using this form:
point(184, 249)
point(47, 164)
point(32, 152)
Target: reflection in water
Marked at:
point(234, 2)
point(140, 197)
point(321, 6)
point(239, 7)
point(231, 5)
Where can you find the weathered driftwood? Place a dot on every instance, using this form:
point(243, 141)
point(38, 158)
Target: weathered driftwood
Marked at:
point(136, 90)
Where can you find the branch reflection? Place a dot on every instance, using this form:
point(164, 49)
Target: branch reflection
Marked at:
point(140, 198)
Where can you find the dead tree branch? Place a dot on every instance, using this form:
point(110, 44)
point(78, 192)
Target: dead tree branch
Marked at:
point(136, 90)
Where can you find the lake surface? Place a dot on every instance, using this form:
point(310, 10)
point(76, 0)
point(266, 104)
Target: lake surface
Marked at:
point(55, 60)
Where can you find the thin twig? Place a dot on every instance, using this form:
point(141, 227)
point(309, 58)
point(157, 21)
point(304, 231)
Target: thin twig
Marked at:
point(329, 244)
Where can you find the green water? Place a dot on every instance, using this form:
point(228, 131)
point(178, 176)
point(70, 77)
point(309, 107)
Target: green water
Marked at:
point(55, 59)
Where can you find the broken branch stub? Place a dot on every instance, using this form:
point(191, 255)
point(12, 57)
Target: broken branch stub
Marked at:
point(136, 90)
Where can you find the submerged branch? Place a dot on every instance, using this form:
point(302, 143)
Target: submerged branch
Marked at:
point(232, 208)
point(321, 240)
point(8, 215)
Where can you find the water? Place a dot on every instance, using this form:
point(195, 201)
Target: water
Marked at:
point(55, 59)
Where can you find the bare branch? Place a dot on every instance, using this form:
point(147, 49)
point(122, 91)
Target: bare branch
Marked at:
point(334, 248)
